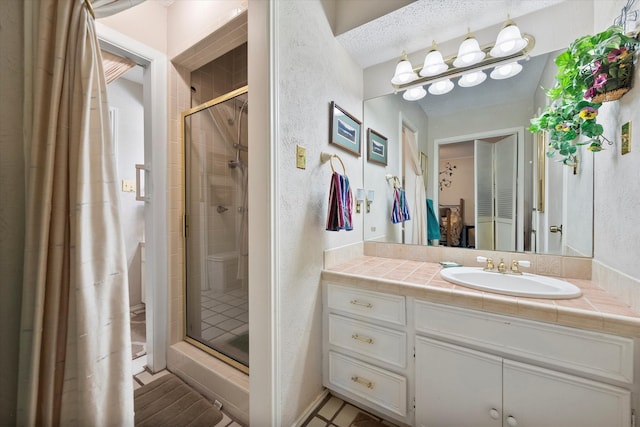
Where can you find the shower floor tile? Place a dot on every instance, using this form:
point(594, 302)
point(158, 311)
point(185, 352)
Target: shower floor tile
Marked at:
point(229, 324)
point(234, 312)
point(218, 318)
point(221, 307)
point(212, 333)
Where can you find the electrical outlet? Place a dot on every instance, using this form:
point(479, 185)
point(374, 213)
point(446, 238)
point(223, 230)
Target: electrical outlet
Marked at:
point(128, 186)
point(301, 157)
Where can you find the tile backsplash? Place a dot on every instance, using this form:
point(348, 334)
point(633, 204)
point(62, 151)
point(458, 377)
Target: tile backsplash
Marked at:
point(548, 265)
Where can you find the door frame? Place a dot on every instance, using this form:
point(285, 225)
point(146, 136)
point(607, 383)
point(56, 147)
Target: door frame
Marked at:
point(519, 132)
point(156, 189)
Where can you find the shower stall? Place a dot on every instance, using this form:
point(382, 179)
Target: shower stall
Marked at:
point(216, 219)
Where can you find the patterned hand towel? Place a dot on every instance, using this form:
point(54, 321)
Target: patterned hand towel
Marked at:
point(340, 203)
point(400, 211)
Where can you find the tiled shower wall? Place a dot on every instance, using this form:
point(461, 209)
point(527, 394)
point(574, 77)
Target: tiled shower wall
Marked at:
point(220, 76)
point(215, 79)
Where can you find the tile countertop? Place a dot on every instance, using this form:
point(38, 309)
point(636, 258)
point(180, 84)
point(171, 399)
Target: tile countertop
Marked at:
point(595, 310)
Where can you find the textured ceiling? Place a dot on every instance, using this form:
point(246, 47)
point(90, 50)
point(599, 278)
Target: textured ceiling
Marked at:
point(413, 27)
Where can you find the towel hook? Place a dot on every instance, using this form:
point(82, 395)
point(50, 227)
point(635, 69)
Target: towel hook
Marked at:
point(396, 180)
point(324, 157)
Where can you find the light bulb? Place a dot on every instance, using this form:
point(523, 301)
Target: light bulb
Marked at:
point(509, 41)
point(505, 71)
point(469, 53)
point(404, 71)
point(472, 79)
point(441, 87)
point(414, 94)
point(433, 63)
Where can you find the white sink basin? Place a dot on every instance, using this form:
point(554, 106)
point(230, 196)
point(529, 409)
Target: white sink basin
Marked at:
point(525, 285)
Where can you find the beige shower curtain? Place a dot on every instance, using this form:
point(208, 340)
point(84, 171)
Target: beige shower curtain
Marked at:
point(75, 357)
point(419, 214)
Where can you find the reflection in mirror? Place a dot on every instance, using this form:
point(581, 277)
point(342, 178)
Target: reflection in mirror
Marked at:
point(484, 169)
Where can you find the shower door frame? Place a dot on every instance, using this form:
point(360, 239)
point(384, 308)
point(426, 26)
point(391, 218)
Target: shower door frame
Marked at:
point(185, 229)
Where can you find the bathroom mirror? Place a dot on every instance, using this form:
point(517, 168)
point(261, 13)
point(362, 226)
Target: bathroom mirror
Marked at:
point(450, 130)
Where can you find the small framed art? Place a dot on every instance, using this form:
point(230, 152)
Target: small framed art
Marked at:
point(344, 130)
point(377, 147)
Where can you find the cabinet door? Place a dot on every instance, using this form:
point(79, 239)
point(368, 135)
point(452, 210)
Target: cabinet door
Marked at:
point(456, 387)
point(535, 397)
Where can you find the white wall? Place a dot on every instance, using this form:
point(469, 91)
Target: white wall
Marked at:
point(126, 97)
point(132, 23)
point(313, 69)
point(385, 115)
point(190, 21)
point(462, 186)
point(617, 188)
point(12, 211)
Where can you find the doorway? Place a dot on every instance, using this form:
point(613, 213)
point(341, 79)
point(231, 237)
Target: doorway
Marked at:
point(153, 171)
point(484, 170)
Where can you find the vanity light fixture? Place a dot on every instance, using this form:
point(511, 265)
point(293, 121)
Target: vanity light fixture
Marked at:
point(468, 65)
point(370, 196)
point(360, 197)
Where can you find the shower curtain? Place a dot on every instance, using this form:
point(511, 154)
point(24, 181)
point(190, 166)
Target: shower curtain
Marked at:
point(75, 366)
point(419, 223)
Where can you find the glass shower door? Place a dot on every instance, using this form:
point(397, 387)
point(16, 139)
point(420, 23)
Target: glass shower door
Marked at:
point(216, 212)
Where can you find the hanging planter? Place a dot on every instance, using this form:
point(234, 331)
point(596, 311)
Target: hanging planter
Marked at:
point(594, 69)
point(609, 78)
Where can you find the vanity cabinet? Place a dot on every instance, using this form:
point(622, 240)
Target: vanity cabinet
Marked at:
point(457, 386)
point(434, 365)
point(486, 386)
point(365, 349)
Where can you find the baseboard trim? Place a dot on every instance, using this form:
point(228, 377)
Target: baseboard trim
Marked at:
point(312, 407)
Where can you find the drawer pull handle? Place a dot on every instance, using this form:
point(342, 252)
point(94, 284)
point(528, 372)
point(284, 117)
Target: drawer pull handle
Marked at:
point(366, 383)
point(363, 339)
point(363, 304)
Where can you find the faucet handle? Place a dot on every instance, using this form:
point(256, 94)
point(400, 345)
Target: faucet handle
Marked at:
point(489, 262)
point(515, 264)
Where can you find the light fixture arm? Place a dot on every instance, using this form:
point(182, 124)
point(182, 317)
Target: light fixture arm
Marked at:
point(453, 72)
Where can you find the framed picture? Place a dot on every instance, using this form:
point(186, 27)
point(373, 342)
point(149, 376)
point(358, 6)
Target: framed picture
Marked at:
point(344, 130)
point(424, 162)
point(377, 147)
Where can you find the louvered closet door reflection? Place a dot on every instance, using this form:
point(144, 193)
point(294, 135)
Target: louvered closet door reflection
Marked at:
point(506, 152)
point(484, 211)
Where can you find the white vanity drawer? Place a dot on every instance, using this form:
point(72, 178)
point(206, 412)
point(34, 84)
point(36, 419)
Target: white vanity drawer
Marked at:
point(372, 305)
point(374, 385)
point(600, 354)
point(380, 343)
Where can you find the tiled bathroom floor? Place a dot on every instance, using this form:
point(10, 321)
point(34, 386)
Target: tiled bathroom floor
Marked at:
point(334, 412)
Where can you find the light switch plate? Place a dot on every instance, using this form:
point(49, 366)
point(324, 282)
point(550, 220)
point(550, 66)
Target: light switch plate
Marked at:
point(301, 157)
point(128, 186)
